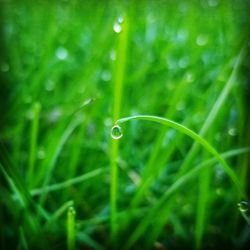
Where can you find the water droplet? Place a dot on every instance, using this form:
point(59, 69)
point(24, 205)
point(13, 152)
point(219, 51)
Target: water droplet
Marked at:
point(108, 122)
point(112, 55)
point(183, 62)
point(41, 153)
point(243, 206)
point(116, 132)
point(232, 131)
point(55, 115)
point(180, 106)
point(120, 19)
point(106, 76)
point(61, 53)
point(117, 27)
point(201, 40)
point(49, 85)
point(71, 210)
point(182, 35)
point(189, 77)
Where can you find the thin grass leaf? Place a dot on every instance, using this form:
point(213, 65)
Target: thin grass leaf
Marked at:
point(70, 182)
point(194, 136)
point(120, 67)
point(33, 141)
point(71, 228)
point(141, 228)
point(65, 136)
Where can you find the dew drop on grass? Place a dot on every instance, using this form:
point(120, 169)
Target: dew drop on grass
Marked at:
point(113, 55)
point(243, 206)
point(117, 27)
point(61, 53)
point(71, 210)
point(116, 132)
point(201, 40)
point(232, 131)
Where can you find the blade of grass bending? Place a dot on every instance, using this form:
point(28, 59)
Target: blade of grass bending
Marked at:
point(146, 178)
point(31, 222)
point(71, 228)
point(161, 208)
point(16, 183)
point(121, 52)
point(67, 133)
point(70, 182)
point(194, 136)
point(72, 122)
point(213, 114)
point(204, 184)
point(214, 111)
point(22, 196)
point(180, 89)
point(14, 188)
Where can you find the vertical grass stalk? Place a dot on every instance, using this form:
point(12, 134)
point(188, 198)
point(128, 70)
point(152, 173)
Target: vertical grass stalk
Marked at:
point(121, 51)
point(71, 231)
point(33, 140)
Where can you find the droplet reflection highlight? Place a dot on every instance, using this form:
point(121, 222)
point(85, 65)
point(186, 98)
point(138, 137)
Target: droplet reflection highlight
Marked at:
point(116, 132)
point(117, 25)
point(243, 206)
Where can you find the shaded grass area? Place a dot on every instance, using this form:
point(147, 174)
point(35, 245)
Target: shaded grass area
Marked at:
point(70, 71)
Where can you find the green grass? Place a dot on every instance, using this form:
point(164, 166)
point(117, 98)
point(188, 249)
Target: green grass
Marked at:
point(173, 75)
point(120, 27)
point(71, 234)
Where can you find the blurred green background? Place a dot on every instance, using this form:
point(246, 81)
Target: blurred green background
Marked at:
point(69, 70)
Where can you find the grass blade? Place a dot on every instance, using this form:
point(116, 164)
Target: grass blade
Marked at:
point(71, 228)
point(33, 141)
point(121, 53)
point(70, 182)
point(197, 139)
point(194, 136)
point(65, 136)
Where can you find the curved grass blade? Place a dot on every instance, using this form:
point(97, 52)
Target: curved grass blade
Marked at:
point(194, 136)
point(70, 182)
point(65, 136)
point(141, 228)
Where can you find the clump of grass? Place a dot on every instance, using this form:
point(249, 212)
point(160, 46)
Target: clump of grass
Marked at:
point(161, 184)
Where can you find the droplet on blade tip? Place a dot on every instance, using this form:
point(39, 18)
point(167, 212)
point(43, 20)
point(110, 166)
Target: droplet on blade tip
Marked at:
point(243, 206)
point(116, 132)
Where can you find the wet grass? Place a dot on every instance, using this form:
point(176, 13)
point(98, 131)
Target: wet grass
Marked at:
point(71, 71)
